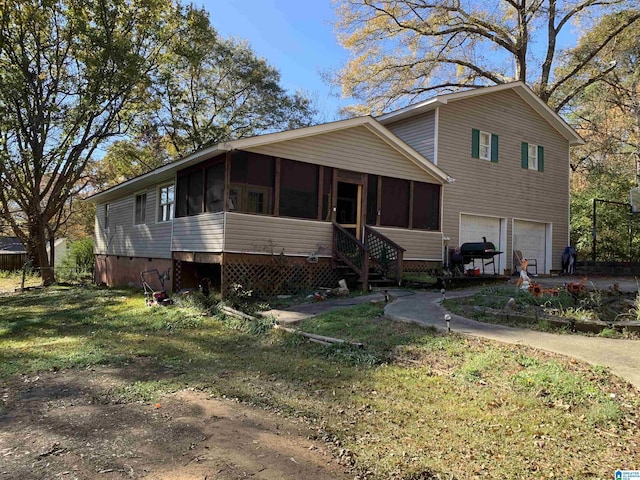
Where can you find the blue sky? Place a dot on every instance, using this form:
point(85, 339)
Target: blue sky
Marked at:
point(297, 38)
point(294, 36)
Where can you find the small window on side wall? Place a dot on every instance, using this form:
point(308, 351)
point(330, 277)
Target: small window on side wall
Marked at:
point(140, 209)
point(532, 157)
point(484, 145)
point(107, 208)
point(166, 203)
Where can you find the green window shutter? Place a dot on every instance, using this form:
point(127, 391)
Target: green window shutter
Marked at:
point(540, 159)
point(525, 155)
point(494, 147)
point(475, 143)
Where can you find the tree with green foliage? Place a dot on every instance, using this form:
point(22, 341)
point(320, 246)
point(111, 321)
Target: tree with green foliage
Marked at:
point(607, 115)
point(78, 260)
point(71, 74)
point(403, 50)
point(209, 89)
point(126, 159)
point(206, 90)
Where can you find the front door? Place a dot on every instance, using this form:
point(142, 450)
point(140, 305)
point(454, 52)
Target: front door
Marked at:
point(349, 207)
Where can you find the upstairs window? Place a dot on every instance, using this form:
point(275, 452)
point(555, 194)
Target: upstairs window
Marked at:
point(166, 203)
point(140, 212)
point(532, 157)
point(484, 145)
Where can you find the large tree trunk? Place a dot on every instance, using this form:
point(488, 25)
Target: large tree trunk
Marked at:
point(52, 249)
point(38, 236)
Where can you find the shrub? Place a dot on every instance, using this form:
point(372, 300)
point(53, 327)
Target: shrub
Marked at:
point(241, 298)
point(77, 262)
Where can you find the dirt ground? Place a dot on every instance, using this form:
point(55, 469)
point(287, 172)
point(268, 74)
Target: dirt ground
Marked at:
point(58, 425)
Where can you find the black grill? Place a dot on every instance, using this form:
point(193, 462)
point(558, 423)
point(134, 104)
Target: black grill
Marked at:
point(483, 250)
point(472, 251)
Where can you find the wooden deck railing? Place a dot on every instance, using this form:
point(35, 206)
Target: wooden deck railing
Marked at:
point(386, 255)
point(352, 252)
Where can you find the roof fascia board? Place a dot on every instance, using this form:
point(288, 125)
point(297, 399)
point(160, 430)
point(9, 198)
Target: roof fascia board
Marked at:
point(367, 121)
point(244, 143)
point(520, 88)
point(411, 110)
point(161, 173)
point(549, 115)
point(270, 138)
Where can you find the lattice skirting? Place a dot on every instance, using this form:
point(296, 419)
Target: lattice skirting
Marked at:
point(268, 275)
point(177, 273)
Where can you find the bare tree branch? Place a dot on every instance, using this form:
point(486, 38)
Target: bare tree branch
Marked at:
point(496, 46)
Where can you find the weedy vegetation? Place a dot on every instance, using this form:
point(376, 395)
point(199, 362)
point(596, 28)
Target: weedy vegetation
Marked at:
point(538, 313)
point(410, 404)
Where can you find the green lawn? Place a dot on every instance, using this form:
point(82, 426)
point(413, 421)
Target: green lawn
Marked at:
point(10, 281)
point(412, 404)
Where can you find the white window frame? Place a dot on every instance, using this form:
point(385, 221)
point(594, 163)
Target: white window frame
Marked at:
point(143, 219)
point(161, 206)
point(107, 209)
point(532, 156)
point(484, 149)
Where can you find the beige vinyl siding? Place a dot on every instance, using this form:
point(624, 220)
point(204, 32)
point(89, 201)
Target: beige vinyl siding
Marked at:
point(503, 189)
point(419, 132)
point(199, 233)
point(419, 244)
point(99, 233)
point(247, 233)
point(122, 237)
point(355, 149)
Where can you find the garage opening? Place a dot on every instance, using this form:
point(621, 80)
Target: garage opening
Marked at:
point(533, 239)
point(474, 227)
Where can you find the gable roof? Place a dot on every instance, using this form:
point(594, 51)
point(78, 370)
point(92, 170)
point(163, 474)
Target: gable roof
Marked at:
point(167, 172)
point(520, 88)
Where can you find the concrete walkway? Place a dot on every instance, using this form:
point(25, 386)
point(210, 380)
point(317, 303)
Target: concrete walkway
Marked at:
point(622, 357)
point(303, 311)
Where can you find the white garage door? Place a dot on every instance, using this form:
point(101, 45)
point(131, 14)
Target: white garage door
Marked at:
point(530, 239)
point(473, 228)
